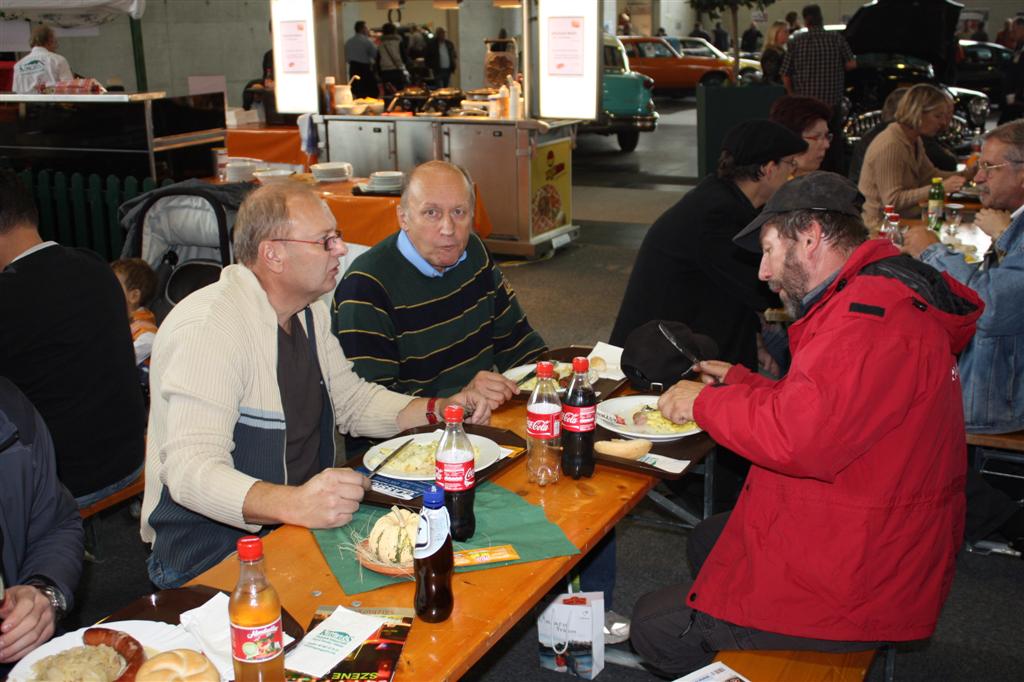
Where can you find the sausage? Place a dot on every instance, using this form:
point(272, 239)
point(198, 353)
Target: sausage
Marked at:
point(124, 644)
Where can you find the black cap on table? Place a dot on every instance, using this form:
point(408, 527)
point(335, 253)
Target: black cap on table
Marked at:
point(817, 191)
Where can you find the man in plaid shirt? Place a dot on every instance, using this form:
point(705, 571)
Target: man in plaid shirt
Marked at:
point(815, 66)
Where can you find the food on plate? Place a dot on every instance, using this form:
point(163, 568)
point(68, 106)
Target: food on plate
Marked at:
point(81, 663)
point(598, 363)
point(654, 421)
point(627, 449)
point(416, 460)
point(178, 665)
point(393, 537)
point(563, 373)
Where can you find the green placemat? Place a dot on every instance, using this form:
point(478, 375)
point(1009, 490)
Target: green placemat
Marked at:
point(502, 518)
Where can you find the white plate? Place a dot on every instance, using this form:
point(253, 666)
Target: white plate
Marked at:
point(490, 452)
point(516, 374)
point(150, 633)
point(380, 190)
point(625, 408)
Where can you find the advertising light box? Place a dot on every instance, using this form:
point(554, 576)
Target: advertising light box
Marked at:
point(295, 78)
point(569, 73)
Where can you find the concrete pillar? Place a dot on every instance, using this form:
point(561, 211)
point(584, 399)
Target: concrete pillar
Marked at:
point(675, 16)
point(609, 16)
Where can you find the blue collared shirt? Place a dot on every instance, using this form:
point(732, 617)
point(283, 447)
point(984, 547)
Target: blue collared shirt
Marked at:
point(406, 248)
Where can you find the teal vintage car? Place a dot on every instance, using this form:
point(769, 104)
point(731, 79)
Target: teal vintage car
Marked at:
point(627, 108)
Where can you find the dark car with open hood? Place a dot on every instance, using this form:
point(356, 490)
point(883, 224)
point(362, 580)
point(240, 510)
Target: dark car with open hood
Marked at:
point(901, 43)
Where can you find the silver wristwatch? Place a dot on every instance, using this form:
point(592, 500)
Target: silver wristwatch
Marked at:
point(56, 598)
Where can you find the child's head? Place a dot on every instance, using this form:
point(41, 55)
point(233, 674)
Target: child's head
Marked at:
point(137, 279)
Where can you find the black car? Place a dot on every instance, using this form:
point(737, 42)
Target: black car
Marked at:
point(891, 56)
point(986, 67)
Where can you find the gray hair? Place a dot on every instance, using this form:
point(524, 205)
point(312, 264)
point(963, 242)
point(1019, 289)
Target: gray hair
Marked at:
point(265, 215)
point(1012, 135)
point(843, 232)
point(439, 165)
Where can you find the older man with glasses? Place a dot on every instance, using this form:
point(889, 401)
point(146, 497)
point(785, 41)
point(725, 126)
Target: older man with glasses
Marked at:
point(247, 388)
point(992, 375)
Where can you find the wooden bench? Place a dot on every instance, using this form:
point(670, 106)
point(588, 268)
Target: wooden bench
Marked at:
point(802, 666)
point(1000, 441)
point(136, 488)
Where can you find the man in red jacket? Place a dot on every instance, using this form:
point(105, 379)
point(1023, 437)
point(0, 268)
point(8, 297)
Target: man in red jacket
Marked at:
point(845, 533)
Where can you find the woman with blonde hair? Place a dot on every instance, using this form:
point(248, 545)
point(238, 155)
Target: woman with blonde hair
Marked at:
point(896, 168)
point(774, 51)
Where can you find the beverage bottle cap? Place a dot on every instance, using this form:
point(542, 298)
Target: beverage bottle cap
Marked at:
point(453, 414)
point(250, 548)
point(545, 369)
point(433, 497)
point(936, 181)
point(894, 216)
point(580, 364)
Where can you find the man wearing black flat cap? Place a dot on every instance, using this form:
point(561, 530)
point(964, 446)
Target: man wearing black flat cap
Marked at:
point(688, 269)
point(848, 525)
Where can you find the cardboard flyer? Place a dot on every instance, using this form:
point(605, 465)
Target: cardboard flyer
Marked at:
point(714, 672)
point(376, 658)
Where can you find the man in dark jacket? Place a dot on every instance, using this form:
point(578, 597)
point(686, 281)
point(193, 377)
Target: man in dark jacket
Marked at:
point(848, 526)
point(66, 344)
point(40, 530)
point(441, 58)
point(688, 269)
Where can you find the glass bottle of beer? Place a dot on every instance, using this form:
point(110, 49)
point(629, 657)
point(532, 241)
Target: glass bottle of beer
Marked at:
point(936, 204)
point(255, 614)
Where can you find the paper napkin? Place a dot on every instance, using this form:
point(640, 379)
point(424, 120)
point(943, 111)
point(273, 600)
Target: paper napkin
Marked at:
point(612, 356)
point(210, 625)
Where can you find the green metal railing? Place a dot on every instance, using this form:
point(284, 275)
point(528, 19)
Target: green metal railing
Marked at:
point(80, 210)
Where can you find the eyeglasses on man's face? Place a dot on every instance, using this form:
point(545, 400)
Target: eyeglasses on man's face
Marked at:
point(989, 167)
point(329, 243)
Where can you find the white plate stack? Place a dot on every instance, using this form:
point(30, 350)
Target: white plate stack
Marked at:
point(332, 171)
point(386, 181)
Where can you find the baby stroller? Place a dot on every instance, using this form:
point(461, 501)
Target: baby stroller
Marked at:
point(184, 232)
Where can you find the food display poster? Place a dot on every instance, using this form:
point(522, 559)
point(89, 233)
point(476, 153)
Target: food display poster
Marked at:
point(295, 45)
point(568, 70)
point(551, 186)
point(565, 46)
point(295, 77)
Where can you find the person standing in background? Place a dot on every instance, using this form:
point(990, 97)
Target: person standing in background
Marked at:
point(42, 66)
point(774, 51)
point(361, 55)
point(441, 58)
point(792, 24)
point(391, 59)
point(751, 39)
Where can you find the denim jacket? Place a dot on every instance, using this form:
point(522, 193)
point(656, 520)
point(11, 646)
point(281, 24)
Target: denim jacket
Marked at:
point(992, 365)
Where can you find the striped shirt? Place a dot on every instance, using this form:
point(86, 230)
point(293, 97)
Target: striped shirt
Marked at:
point(816, 61)
point(429, 335)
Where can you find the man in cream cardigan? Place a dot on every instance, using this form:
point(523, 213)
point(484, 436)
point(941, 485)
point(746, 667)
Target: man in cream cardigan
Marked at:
point(247, 387)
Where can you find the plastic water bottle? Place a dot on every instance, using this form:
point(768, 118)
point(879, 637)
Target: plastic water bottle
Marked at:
point(543, 428)
point(455, 473)
point(433, 560)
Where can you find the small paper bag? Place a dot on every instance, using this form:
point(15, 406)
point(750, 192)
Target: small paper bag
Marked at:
point(571, 634)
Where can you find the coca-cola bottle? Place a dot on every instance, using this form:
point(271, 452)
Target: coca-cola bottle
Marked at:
point(433, 560)
point(579, 411)
point(455, 474)
point(543, 425)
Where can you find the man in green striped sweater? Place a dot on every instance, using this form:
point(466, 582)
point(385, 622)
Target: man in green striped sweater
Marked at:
point(426, 311)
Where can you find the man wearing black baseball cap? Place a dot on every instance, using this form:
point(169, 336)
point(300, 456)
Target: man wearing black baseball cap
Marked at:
point(688, 269)
point(847, 528)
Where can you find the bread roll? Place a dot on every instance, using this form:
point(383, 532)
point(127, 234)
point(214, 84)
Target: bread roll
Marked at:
point(597, 363)
point(627, 449)
point(178, 665)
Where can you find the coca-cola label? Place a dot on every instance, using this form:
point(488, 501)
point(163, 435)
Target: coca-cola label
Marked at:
point(455, 476)
point(543, 425)
point(578, 419)
point(257, 644)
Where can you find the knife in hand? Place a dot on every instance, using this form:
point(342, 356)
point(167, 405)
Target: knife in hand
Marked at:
point(390, 457)
point(671, 338)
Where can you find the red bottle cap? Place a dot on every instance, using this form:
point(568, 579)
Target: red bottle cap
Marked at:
point(453, 414)
point(580, 364)
point(545, 369)
point(250, 548)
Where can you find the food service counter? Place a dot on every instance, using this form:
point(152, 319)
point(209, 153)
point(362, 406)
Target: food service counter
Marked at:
point(141, 134)
point(522, 168)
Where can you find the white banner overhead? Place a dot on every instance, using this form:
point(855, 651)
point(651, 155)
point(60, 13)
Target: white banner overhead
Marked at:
point(71, 13)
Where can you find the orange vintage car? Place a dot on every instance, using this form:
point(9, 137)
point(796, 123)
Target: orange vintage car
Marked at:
point(679, 72)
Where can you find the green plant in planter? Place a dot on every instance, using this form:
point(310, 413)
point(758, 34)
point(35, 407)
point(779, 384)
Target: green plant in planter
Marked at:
point(715, 8)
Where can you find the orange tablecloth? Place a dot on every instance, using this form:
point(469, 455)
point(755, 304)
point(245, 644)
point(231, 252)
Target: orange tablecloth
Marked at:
point(277, 144)
point(368, 220)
